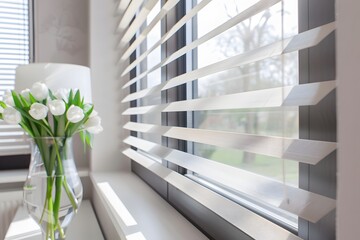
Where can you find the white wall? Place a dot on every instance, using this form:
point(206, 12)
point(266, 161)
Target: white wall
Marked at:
point(61, 31)
point(106, 84)
point(348, 65)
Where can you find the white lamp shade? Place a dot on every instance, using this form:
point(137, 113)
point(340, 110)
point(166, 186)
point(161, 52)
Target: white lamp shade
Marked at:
point(55, 76)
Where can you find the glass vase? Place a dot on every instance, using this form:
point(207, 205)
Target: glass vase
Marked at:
point(53, 189)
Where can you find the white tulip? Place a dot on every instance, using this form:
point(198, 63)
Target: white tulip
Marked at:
point(40, 91)
point(8, 98)
point(57, 107)
point(38, 111)
point(93, 125)
point(62, 94)
point(25, 94)
point(75, 114)
point(11, 115)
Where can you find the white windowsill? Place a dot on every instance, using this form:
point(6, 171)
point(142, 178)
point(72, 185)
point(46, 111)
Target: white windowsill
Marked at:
point(138, 212)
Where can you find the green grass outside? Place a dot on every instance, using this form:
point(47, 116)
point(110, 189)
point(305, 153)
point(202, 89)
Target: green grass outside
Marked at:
point(263, 165)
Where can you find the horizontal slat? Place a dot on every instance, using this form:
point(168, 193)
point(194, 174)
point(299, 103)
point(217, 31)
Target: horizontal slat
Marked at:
point(249, 12)
point(301, 41)
point(123, 4)
point(138, 21)
point(129, 14)
point(300, 95)
point(245, 220)
point(306, 151)
point(15, 16)
point(307, 205)
point(140, 38)
point(14, 150)
point(165, 37)
point(13, 142)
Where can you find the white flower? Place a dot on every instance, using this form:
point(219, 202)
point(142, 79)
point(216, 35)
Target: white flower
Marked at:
point(38, 111)
point(39, 91)
point(57, 107)
point(8, 98)
point(75, 114)
point(62, 94)
point(93, 125)
point(25, 94)
point(1, 109)
point(11, 115)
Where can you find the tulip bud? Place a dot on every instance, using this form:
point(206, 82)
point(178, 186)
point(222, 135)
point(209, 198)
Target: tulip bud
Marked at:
point(25, 93)
point(62, 94)
point(11, 115)
point(38, 111)
point(75, 114)
point(39, 91)
point(57, 107)
point(93, 125)
point(8, 98)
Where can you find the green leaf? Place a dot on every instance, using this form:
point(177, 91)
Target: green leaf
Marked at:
point(16, 99)
point(51, 95)
point(32, 98)
point(33, 121)
point(25, 103)
point(82, 137)
point(77, 99)
point(27, 129)
point(2, 104)
point(88, 108)
point(60, 131)
point(70, 102)
point(89, 139)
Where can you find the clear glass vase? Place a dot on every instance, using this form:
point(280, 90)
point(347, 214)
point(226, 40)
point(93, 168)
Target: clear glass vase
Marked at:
point(53, 190)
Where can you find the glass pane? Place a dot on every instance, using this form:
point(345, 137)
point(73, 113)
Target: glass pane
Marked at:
point(153, 78)
point(269, 26)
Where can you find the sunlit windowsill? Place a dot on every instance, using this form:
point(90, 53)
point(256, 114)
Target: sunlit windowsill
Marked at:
point(137, 211)
point(84, 225)
point(16, 176)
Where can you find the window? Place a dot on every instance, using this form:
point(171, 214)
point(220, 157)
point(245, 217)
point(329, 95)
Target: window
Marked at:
point(14, 51)
point(260, 30)
point(231, 72)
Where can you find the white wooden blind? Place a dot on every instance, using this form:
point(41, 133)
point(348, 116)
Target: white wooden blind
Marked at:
point(277, 194)
point(14, 51)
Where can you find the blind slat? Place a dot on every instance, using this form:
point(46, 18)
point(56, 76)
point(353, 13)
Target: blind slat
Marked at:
point(165, 37)
point(301, 41)
point(307, 205)
point(249, 222)
point(135, 25)
point(129, 14)
point(139, 39)
point(251, 11)
point(123, 4)
point(301, 95)
point(306, 151)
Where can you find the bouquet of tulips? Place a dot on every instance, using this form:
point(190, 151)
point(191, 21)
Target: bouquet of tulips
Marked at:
point(44, 114)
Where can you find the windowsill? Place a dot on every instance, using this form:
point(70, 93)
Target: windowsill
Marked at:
point(83, 226)
point(16, 176)
point(137, 211)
